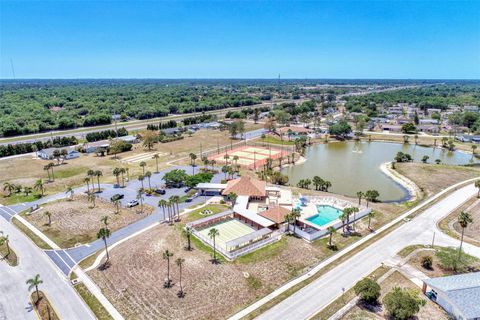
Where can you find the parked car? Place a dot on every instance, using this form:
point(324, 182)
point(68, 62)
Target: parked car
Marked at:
point(117, 196)
point(187, 189)
point(189, 199)
point(160, 191)
point(132, 203)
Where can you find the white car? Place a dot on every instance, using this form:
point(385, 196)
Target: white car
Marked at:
point(132, 203)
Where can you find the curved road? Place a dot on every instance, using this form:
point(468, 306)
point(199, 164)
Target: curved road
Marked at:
point(311, 299)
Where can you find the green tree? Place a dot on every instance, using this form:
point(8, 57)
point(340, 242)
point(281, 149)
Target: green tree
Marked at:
point(187, 232)
point(402, 304)
point(156, 156)
point(360, 195)
point(70, 191)
point(371, 214)
point(48, 214)
point(98, 174)
point(143, 164)
point(39, 186)
point(295, 214)
point(331, 231)
point(10, 187)
point(409, 128)
point(368, 290)
point(463, 220)
point(148, 174)
point(5, 241)
point(371, 196)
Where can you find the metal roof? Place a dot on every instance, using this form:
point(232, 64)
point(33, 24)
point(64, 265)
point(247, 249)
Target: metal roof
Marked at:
point(247, 238)
point(463, 290)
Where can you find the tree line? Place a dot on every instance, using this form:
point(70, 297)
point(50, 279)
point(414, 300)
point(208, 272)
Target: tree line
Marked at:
point(106, 134)
point(28, 147)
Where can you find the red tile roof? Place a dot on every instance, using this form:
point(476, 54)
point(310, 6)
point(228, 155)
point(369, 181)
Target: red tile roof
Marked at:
point(275, 213)
point(246, 186)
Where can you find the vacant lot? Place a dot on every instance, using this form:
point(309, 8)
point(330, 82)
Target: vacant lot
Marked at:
point(76, 222)
point(432, 178)
point(134, 281)
point(430, 311)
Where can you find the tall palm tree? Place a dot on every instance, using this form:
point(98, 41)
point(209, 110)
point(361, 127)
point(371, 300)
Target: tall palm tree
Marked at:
point(34, 283)
point(187, 232)
point(193, 157)
point(48, 214)
point(167, 254)
point(156, 156)
point(180, 262)
point(104, 234)
point(70, 191)
point(116, 173)
point(176, 201)
point(116, 203)
point(331, 231)
point(148, 174)
point(343, 217)
point(104, 220)
point(143, 164)
point(163, 204)
point(51, 166)
point(463, 219)
point(47, 168)
point(39, 186)
point(87, 182)
point(141, 178)
point(360, 196)
point(354, 210)
point(213, 233)
point(294, 215)
point(98, 174)
point(122, 173)
point(371, 214)
point(27, 190)
point(140, 198)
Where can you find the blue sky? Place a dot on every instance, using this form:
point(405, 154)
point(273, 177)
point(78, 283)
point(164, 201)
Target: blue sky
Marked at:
point(244, 39)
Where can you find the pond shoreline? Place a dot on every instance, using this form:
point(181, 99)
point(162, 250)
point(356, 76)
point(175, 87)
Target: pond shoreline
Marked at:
point(413, 192)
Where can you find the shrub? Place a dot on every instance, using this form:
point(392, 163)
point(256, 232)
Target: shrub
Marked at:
point(368, 290)
point(449, 259)
point(427, 262)
point(402, 303)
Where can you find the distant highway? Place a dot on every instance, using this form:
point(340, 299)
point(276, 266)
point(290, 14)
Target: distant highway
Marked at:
point(141, 124)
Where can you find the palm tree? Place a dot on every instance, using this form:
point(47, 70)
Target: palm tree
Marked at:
point(187, 232)
point(193, 157)
point(122, 173)
point(140, 198)
point(87, 182)
point(127, 170)
point(477, 185)
point(317, 182)
point(51, 165)
point(9, 187)
point(103, 234)
point(104, 220)
point(27, 190)
point(343, 217)
point(98, 174)
point(34, 283)
point(163, 204)
point(70, 191)
point(48, 214)
point(91, 197)
point(141, 178)
point(354, 211)
point(180, 262)
point(39, 186)
point(116, 173)
point(47, 168)
point(235, 158)
point(371, 214)
point(143, 164)
point(166, 256)
point(175, 201)
point(232, 196)
point(116, 202)
point(5, 241)
point(331, 231)
point(213, 233)
point(148, 174)
point(360, 196)
point(156, 156)
point(463, 219)
point(294, 215)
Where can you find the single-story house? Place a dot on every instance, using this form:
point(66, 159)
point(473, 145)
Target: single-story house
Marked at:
point(129, 139)
point(47, 154)
point(468, 138)
point(459, 295)
point(91, 147)
point(391, 127)
point(429, 128)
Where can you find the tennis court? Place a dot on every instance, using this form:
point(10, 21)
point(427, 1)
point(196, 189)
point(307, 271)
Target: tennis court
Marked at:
point(249, 156)
point(228, 230)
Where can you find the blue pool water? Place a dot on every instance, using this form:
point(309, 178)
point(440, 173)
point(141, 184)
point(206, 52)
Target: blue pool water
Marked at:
point(326, 214)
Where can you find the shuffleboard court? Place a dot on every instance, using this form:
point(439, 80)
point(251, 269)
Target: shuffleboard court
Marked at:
point(249, 156)
point(228, 230)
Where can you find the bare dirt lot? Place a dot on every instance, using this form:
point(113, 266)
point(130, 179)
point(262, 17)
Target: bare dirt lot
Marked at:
point(432, 178)
point(75, 222)
point(430, 311)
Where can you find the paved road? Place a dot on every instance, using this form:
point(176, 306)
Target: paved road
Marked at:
point(14, 296)
point(311, 299)
point(67, 258)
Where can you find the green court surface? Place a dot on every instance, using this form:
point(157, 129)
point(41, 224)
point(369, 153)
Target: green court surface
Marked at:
point(228, 230)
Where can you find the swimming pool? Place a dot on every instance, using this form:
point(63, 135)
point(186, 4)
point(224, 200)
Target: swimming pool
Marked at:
point(325, 215)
